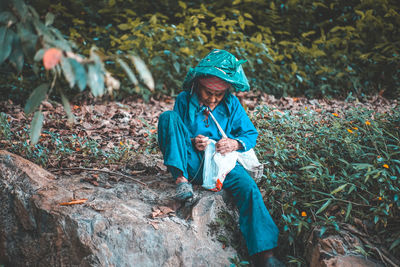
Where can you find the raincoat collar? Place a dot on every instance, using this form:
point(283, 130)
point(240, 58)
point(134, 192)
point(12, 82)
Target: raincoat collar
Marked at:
point(195, 107)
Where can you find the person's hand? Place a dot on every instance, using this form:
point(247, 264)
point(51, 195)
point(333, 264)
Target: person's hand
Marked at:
point(200, 142)
point(226, 145)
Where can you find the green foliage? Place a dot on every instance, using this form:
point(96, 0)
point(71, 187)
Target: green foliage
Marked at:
point(36, 127)
point(55, 150)
point(236, 262)
point(226, 229)
point(25, 38)
point(293, 48)
point(36, 98)
point(325, 169)
point(5, 131)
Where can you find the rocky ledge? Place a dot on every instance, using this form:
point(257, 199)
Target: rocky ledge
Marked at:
point(102, 219)
point(122, 222)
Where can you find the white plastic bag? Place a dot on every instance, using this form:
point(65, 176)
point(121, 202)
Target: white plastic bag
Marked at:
point(216, 167)
point(250, 162)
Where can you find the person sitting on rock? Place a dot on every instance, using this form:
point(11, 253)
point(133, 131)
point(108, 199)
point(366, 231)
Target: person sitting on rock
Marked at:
point(183, 135)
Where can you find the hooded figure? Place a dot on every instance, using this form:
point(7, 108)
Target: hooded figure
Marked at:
point(184, 133)
point(221, 64)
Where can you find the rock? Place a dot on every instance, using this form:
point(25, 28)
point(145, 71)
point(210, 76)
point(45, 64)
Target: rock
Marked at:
point(114, 227)
point(336, 250)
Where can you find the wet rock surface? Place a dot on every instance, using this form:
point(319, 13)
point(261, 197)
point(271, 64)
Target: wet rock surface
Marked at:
point(340, 249)
point(122, 223)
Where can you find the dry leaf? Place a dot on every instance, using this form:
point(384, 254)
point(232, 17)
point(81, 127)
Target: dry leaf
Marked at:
point(74, 202)
point(154, 224)
point(166, 210)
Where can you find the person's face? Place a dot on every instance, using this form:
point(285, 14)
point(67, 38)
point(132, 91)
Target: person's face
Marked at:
point(210, 97)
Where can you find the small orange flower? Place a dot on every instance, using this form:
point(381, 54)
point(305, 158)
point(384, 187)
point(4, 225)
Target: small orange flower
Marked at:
point(305, 107)
point(350, 131)
point(77, 149)
point(386, 166)
point(120, 142)
point(367, 123)
point(379, 198)
point(355, 128)
point(303, 214)
point(335, 114)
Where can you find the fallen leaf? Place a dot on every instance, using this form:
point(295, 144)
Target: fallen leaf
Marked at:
point(95, 183)
point(154, 224)
point(166, 210)
point(74, 202)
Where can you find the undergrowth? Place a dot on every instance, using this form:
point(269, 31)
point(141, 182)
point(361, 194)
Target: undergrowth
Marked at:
point(56, 150)
point(321, 170)
point(325, 169)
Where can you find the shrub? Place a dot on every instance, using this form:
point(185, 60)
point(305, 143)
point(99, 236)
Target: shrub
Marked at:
point(293, 48)
point(324, 169)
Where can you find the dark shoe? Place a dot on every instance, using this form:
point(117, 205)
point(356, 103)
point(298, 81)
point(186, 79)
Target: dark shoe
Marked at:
point(273, 262)
point(184, 191)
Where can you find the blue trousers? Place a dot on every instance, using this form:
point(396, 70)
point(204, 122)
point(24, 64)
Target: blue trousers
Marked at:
point(256, 224)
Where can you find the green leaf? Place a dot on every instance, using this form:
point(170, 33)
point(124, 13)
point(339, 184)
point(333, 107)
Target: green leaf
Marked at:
point(3, 31)
point(128, 71)
point(39, 55)
point(21, 8)
point(306, 34)
point(309, 167)
point(144, 72)
point(352, 188)
point(67, 107)
point(36, 127)
point(340, 188)
point(6, 41)
point(124, 27)
point(349, 207)
point(68, 71)
point(322, 232)
point(96, 80)
point(323, 207)
point(16, 57)
point(182, 5)
point(49, 19)
point(177, 66)
point(362, 166)
point(36, 98)
point(7, 18)
point(395, 244)
point(80, 73)
point(28, 39)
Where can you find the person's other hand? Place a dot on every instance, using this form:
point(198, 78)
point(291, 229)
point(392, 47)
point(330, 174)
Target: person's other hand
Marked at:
point(200, 142)
point(226, 145)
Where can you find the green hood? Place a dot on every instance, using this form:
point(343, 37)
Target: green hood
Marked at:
point(222, 64)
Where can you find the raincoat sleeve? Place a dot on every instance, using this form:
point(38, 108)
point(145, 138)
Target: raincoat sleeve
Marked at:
point(243, 129)
point(181, 105)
